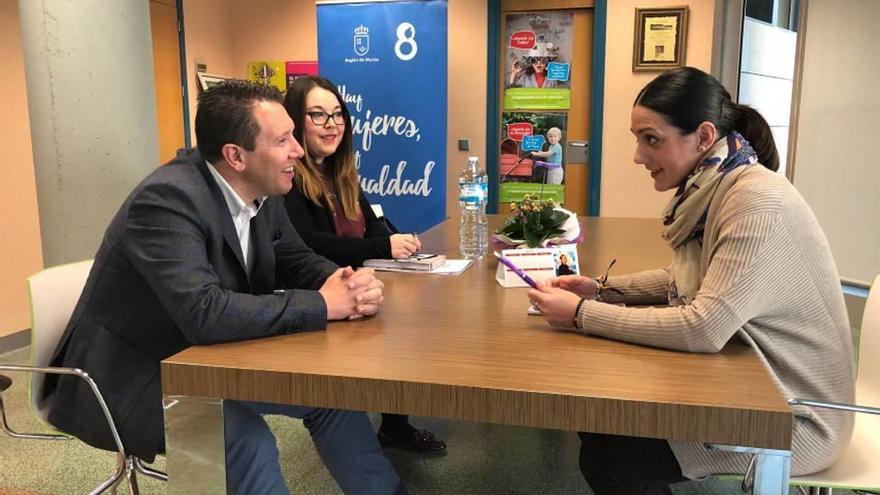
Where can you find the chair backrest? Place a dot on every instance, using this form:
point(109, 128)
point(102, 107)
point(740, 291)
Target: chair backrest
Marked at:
point(54, 293)
point(868, 379)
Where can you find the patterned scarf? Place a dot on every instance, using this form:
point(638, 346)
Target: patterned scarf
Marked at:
point(685, 215)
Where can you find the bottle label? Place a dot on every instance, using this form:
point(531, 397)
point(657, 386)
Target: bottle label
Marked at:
point(472, 192)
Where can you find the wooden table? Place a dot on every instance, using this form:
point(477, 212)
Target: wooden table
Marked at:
point(462, 347)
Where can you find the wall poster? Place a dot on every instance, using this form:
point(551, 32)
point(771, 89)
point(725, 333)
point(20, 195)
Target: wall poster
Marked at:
point(296, 69)
point(268, 72)
point(530, 158)
point(389, 61)
point(538, 61)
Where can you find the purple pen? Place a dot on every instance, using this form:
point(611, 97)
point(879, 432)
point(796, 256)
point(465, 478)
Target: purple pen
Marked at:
point(517, 270)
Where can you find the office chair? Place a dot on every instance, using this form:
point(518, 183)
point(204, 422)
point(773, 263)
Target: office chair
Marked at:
point(858, 469)
point(54, 293)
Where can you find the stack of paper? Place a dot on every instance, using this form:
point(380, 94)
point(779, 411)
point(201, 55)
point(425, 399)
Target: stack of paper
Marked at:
point(452, 267)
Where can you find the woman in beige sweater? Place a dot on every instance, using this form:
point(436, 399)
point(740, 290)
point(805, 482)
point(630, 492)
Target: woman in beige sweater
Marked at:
point(750, 264)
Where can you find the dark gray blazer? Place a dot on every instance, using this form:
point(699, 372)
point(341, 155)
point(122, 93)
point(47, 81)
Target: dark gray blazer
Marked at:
point(168, 275)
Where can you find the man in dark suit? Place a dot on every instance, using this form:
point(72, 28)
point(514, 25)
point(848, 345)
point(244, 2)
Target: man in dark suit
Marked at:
point(202, 251)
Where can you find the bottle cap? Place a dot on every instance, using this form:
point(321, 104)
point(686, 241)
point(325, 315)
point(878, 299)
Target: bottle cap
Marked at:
point(473, 159)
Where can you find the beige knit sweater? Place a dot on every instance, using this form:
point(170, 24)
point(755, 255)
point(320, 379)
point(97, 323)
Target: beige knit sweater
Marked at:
point(769, 280)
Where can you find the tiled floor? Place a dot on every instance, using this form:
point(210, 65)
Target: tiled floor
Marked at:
point(482, 459)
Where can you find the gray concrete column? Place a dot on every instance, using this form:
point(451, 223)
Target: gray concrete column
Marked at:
point(91, 96)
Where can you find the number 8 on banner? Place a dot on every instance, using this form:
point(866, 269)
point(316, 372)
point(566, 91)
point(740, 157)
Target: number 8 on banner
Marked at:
point(404, 38)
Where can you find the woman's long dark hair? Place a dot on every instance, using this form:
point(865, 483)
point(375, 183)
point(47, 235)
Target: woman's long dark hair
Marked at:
point(687, 97)
point(338, 167)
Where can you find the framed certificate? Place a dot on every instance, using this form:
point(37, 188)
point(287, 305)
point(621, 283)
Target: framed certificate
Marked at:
point(660, 38)
point(208, 80)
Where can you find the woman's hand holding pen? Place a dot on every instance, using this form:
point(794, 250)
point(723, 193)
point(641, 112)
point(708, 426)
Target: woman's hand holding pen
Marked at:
point(582, 286)
point(557, 299)
point(404, 245)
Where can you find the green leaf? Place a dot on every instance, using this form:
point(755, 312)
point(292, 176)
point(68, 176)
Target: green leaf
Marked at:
point(536, 226)
point(533, 239)
point(511, 227)
point(559, 217)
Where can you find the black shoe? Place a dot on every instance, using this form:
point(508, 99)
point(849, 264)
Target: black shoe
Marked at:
point(421, 441)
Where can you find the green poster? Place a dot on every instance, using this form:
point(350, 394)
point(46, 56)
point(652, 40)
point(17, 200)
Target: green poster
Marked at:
point(516, 191)
point(537, 99)
point(531, 155)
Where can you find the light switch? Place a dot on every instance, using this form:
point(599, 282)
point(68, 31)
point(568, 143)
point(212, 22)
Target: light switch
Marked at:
point(577, 152)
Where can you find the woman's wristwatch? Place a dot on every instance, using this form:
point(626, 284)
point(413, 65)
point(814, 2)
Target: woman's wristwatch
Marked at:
point(577, 311)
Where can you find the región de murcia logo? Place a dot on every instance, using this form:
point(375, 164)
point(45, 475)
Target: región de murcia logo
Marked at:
point(361, 40)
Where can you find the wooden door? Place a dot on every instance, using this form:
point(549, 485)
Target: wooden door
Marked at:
point(576, 174)
point(166, 71)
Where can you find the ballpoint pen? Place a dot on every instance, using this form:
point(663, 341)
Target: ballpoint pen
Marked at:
point(517, 270)
point(416, 237)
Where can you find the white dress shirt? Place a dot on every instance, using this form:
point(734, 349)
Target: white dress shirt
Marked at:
point(242, 213)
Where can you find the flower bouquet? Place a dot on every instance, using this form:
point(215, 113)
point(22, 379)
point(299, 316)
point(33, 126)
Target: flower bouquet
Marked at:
point(537, 223)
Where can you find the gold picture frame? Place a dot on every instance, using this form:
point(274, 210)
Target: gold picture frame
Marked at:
point(208, 80)
point(660, 40)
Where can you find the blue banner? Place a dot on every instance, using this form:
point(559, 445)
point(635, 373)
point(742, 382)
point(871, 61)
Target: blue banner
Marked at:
point(389, 62)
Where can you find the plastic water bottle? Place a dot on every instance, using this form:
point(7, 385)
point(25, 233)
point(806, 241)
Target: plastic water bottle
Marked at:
point(473, 230)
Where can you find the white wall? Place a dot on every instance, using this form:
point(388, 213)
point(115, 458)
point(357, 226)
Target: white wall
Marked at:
point(767, 77)
point(838, 124)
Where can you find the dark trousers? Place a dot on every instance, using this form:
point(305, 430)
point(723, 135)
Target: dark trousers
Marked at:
point(345, 441)
point(616, 465)
point(395, 423)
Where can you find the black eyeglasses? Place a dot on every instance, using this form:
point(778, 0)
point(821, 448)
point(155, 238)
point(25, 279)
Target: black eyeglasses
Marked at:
point(535, 60)
point(321, 118)
point(603, 281)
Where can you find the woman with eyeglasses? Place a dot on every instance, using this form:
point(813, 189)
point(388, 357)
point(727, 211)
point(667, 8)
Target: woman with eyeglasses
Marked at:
point(750, 264)
point(333, 216)
point(531, 72)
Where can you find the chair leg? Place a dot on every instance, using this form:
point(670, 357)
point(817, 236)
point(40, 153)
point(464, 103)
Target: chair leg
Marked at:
point(114, 480)
point(146, 470)
point(749, 476)
point(4, 426)
point(131, 475)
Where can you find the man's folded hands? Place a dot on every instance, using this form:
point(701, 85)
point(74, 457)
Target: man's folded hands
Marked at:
point(351, 294)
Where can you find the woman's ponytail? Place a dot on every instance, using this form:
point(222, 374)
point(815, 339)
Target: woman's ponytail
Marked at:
point(687, 97)
point(753, 127)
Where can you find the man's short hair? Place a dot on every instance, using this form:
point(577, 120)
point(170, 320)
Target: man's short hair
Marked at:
point(225, 116)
